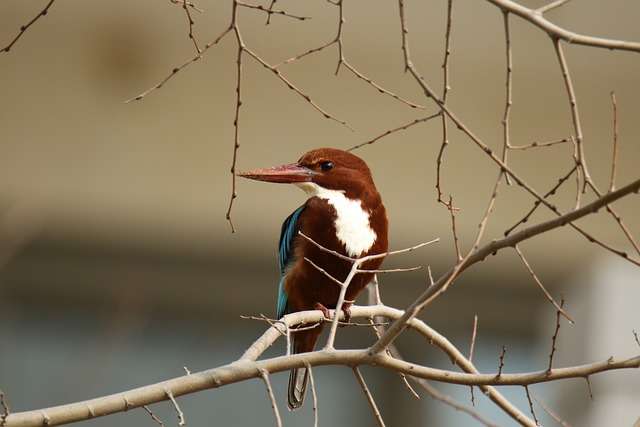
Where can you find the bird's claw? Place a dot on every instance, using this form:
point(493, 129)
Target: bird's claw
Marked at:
point(323, 309)
point(346, 309)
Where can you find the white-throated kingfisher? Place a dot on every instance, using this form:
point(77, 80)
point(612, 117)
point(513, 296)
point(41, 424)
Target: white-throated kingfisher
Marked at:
point(344, 213)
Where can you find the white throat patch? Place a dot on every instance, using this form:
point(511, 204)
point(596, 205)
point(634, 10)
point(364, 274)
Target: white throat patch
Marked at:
point(352, 223)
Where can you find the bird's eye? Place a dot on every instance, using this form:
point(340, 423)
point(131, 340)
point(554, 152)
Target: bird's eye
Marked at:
point(326, 165)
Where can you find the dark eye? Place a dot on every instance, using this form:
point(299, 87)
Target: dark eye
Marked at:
point(326, 165)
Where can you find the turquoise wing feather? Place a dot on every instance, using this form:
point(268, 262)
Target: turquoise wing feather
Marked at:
point(288, 233)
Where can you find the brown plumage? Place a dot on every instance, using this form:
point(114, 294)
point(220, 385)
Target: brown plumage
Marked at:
point(345, 214)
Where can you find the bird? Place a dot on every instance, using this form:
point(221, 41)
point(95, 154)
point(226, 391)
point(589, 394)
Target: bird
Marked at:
point(343, 213)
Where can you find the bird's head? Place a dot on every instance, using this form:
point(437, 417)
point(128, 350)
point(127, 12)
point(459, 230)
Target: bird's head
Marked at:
point(322, 169)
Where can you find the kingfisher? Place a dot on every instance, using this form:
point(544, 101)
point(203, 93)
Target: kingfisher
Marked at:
point(344, 213)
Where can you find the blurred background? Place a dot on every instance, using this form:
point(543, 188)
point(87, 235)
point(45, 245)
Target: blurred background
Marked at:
point(117, 267)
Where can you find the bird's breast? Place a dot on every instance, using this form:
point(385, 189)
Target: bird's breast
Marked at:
point(352, 222)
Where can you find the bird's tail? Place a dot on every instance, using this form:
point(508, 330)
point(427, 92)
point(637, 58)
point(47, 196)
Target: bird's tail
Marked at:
point(303, 342)
point(298, 379)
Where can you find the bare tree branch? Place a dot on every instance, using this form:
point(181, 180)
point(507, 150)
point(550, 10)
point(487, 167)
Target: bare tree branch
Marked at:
point(553, 30)
point(480, 254)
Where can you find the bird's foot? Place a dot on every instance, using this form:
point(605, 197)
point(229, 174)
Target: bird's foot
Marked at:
point(323, 309)
point(346, 309)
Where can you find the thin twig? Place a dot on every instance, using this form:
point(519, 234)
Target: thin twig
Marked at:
point(179, 412)
point(393, 352)
point(270, 11)
point(471, 348)
point(614, 156)
point(323, 271)
point(379, 88)
point(236, 120)
point(550, 6)
point(367, 393)
point(188, 3)
point(394, 130)
point(456, 243)
point(546, 293)
point(179, 68)
point(551, 413)
point(445, 91)
point(501, 361)
point(190, 21)
point(313, 394)
point(26, 26)
point(555, 337)
point(391, 270)
point(575, 115)
point(305, 53)
point(635, 335)
point(153, 416)
point(294, 88)
point(533, 412)
point(537, 203)
point(429, 275)
point(448, 400)
point(586, 378)
point(509, 91)
point(276, 413)
point(536, 144)
point(617, 218)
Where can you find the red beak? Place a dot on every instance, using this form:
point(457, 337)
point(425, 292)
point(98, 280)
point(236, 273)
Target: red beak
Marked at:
point(285, 174)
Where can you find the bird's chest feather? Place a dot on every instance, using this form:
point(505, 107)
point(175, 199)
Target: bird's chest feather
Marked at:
point(350, 220)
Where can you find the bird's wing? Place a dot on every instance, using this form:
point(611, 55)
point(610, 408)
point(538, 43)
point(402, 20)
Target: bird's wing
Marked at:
point(288, 233)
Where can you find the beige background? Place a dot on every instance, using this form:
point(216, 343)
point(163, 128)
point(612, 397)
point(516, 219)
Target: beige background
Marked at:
point(125, 202)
